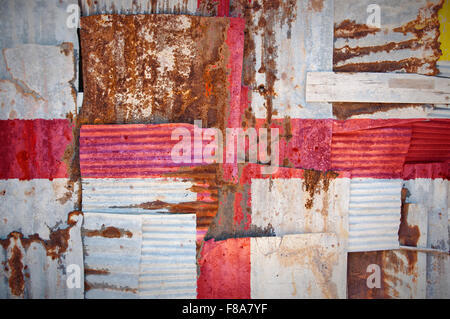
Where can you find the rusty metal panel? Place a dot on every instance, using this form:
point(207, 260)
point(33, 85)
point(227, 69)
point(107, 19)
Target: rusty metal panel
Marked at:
point(121, 163)
point(298, 266)
point(36, 22)
point(41, 82)
point(140, 256)
point(374, 214)
point(406, 41)
point(284, 40)
point(35, 262)
point(160, 68)
point(370, 148)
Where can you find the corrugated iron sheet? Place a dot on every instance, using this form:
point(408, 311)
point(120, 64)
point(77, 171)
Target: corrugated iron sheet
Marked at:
point(31, 93)
point(161, 68)
point(370, 148)
point(140, 256)
point(407, 41)
point(285, 39)
point(121, 163)
point(374, 214)
point(168, 259)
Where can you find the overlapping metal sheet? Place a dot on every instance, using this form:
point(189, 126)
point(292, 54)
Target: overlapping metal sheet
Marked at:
point(129, 169)
point(284, 40)
point(140, 256)
point(374, 214)
point(373, 150)
point(161, 68)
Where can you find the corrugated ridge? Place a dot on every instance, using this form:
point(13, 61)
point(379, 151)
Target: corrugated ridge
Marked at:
point(168, 258)
point(374, 214)
point(430, 142)
point(377, 153)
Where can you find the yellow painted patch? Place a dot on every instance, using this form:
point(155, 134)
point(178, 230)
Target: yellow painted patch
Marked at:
point(444, 19)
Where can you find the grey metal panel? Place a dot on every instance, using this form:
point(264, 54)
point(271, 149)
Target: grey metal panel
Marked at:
point(35, 22)
point(374, 214)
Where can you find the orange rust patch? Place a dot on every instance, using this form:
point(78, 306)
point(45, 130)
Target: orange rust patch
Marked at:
point(16, 278)
point(343, 111)
point(108, 232)
point(316, 5)
point(314, 182)
point(90, 271)
point(408, 235)
point(351, 30)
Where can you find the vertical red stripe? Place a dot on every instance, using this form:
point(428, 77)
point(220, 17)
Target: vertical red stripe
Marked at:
point(34, 148)
point(225, 269)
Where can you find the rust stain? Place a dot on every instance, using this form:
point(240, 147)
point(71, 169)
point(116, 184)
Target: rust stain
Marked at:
point(314, 182)
point(66, 48)
point(88, 286)
point(316, 5)
point(16, 278)
point(408, 235)
point(55, 246)
point(107, 232)
point(349, 29)
point(343, 111)
point(154, 68)
point(91, 271)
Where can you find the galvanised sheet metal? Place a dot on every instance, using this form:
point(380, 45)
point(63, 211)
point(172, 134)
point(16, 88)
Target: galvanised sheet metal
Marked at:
point(112, 252)
point(374, 214)
point(292, 266)
point(36, 22)
point(193, 7)
point(35, 148)
point(42, 265)
point(140, 256)
point(284, 40)
point(41, 82)
point(431, 195)
point(168, 259)
point(298, 266)
point(407, 41)
point(129, 169)
point(370, 148)
point(161, 68)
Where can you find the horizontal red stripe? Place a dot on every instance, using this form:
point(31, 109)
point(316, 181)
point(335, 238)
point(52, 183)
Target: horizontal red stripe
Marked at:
point(34, 148)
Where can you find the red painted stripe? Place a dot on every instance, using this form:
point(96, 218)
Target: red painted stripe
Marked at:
point(428, 170)
point(34, 148)
point(225, 269)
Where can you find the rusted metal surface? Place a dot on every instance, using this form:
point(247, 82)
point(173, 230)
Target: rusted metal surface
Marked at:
point(140, 256)
point(34, 22)
point(374, 214)
point(284, 39)
point(192, 7)
point(161, 68)
point(370, 148)
point(31, 93)
point(121, 163)
point(407, 41)
point(34, 263)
